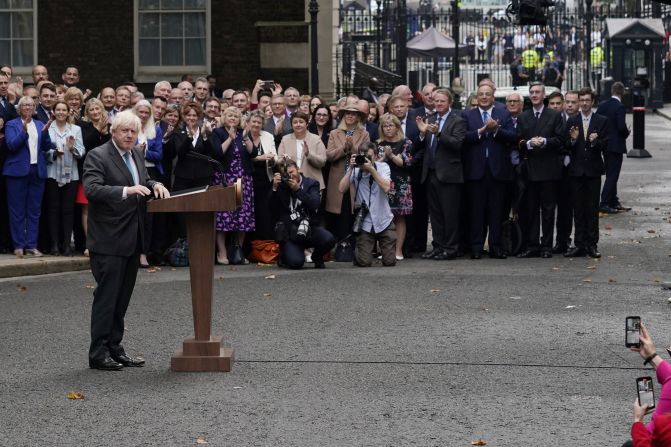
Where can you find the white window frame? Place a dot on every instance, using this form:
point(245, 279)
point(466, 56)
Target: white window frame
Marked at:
point(171, 73)
point(21, 70)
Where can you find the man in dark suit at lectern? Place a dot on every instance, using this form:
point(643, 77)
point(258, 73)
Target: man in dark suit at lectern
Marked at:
point(116, 185)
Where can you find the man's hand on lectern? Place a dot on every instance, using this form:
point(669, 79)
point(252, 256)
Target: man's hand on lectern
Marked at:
point(160, 191)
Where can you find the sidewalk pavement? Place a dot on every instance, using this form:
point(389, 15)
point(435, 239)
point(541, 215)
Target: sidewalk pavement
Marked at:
point(11, 266)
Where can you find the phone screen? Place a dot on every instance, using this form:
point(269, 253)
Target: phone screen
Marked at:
point(646, 392)
point(632, 332)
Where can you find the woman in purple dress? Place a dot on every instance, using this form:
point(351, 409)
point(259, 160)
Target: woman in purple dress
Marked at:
point(235, 150)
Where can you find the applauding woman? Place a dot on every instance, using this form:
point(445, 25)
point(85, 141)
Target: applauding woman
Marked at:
point(62, 177)
point(235, 150)
point(25, 169)
point(305, 148)
point(264, 142)
point(396, 151)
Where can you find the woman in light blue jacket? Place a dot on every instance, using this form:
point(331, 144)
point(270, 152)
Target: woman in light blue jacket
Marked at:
point(62, 176)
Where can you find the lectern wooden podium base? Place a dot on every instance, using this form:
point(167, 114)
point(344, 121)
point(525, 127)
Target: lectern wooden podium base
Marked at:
point(202, 352)
point(198, 355)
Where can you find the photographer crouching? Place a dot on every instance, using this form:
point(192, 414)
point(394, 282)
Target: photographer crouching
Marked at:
point(295, 201)
point(373, 219)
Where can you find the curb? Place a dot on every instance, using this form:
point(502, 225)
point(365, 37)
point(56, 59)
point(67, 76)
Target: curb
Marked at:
point(43, 266)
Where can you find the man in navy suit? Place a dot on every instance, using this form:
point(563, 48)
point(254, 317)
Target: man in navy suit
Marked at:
point(587, 138)
point(487, 170)
point(7, 109)
point(613, 110)
point(371, 128)
point(47, 100)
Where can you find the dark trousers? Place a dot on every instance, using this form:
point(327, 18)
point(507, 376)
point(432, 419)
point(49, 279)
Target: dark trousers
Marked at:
point(292, 253)
point(541, 203)
point(485, 205)
point(61, 211)
point(5, 234)
point(115, 277)
point(613, 161)
point(340, 225)
point(418, 223)
point(24, 196)
point(564, 210)
point(444, 209)
point(585, 192)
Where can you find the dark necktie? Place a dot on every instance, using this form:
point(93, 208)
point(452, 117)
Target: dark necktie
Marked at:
point(538, 114)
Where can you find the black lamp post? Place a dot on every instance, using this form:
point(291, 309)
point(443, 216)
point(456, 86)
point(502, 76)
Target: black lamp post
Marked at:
point(314, 53)
point(402, 33)
point(455, 36)
point(378, 32)
point(588, 42)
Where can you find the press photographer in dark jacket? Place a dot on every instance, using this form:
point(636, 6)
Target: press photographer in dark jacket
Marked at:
point(295, 201)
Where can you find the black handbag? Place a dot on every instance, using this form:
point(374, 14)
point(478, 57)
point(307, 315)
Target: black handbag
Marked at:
point(235, 255)
point(511, 237)
point(345, 249)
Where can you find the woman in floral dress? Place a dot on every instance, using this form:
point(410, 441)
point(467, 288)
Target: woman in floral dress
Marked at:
point(396, 150)
point(235, 150)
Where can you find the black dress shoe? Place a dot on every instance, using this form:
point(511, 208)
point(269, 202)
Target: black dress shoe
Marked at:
point(559, 248)
point(444, 256)
point(621, 207)
point(592, 252)
point(497, 254)
point(546, 254)
point(125, 360)
point(575, 252)
point(476, 255)
point(431, 254)
point(319, 265)
point(106, 364)
point(529, 254)
point(608, 210)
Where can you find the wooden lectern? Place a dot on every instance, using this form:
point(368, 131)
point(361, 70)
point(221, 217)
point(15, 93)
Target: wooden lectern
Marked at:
point(202, 352)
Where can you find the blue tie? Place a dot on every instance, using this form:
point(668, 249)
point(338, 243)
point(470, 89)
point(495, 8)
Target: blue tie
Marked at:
point(126, 159)
point(485, 117)
point(434, 141)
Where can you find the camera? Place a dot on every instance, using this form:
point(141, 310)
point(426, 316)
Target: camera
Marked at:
point(360, 160)
point(282, 169)
point(360, 214)
point(303, 230)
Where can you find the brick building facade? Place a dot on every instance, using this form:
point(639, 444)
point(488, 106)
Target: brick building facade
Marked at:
point(245, 39)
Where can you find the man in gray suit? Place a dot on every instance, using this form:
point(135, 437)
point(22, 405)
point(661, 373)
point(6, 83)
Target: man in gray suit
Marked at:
point(443, 174)
point(116, 185)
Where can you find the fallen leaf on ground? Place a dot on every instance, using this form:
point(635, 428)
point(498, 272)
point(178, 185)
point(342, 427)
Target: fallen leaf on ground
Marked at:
point(570, 307)
point(591, 267)
point(21, 288)
point(201, 440)
point(270, 277)
point(611, 280)
point(555, 269)
point(152, 269)
point(89, 286)
point(72, 395)
point(479, 442)
point(233, 269)
point(261, 264)
point(221, 278)
point(586, 280)
point(435, 290)
point(515, 297)
point(651, 231)
point(267, 295)
point(608, 227)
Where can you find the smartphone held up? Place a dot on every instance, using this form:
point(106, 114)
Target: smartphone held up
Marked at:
point(632, 332)
point(646, 392)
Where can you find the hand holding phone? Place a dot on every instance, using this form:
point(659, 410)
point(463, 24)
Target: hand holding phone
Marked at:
point(646, 392)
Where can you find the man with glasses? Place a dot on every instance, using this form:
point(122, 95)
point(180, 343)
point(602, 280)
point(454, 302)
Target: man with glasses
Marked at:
point(279, 125)
point(540, 129)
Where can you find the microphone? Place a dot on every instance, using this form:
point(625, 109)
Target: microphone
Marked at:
point(199, 156)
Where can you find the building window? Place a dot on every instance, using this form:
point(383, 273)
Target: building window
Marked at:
point(172, 35)
point(18, 32)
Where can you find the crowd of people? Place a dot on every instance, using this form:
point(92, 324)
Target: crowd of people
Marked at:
point(363, 177)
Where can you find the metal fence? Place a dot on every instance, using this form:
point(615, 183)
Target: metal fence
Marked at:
point(376, 37)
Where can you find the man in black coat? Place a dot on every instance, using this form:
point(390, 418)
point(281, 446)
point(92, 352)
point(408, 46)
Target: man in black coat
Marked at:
point(116, 185)
point(587, 138)
point(540, 132)
point(442, 138)
point(295, 201)
point(614, 111)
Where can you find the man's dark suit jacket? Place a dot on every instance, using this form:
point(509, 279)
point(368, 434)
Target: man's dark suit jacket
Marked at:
point(114, 223)
point(8, 113)
point(269, 126)
point(308, 194)
point(586, 158)
point(448, 158)
point(497, 145)
point(41, 114)
point(373, 130)
point(193, 168)
point(543, 164)
point(614, 112)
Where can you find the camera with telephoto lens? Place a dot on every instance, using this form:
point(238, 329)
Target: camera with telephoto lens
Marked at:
point(360, 160)
point(360, 214)
point(303, 230)
point(282, 169)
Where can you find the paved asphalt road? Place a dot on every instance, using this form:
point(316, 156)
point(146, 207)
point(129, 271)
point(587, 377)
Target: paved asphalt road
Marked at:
point(515, 352)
